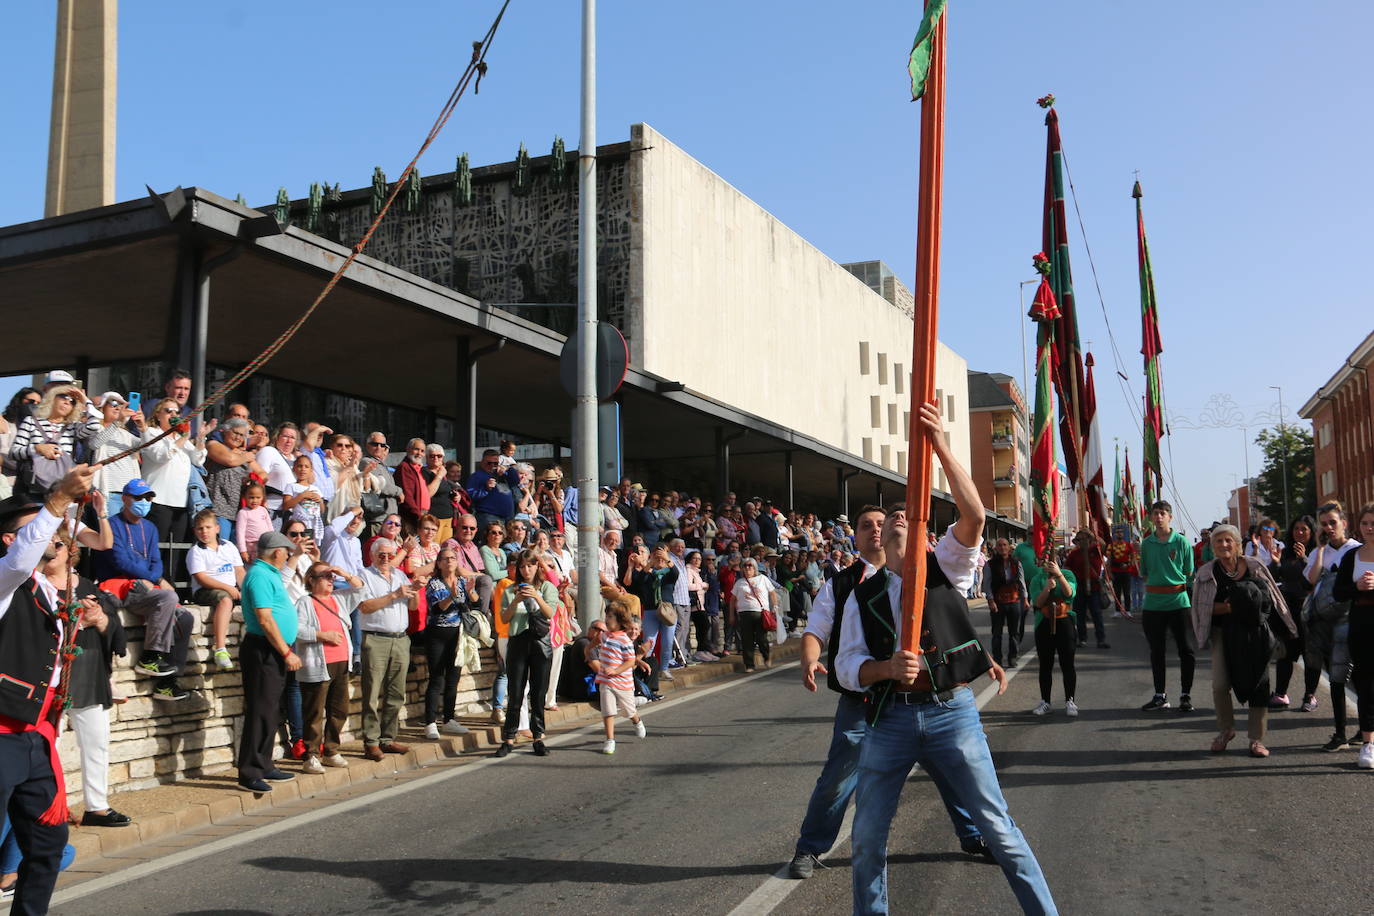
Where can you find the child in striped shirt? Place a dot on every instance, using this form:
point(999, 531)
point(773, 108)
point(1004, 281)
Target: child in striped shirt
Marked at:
point(615, 660)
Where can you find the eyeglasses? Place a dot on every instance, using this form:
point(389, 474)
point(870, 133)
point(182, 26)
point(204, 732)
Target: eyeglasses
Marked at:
point(386, 555)
point(146, 497)
point(295, 534)
point(390, 524)
point(1268, 528)
point(384, 445)
point(467, 527)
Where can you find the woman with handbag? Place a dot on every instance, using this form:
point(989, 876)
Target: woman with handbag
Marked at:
point(447, 596)
point(651, 577)
point(45, 445)
point(528, 606)
point(1052, 592)
point(1236, 601)
point(752, 594)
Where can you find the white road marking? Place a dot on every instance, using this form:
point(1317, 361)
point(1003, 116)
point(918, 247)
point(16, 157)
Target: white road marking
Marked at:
point(769, 895)
point(257, 834)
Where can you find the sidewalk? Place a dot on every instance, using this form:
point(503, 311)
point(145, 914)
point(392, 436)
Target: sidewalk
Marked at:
point(198, 809)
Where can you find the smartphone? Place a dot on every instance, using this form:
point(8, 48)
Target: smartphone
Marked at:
point(135, 401)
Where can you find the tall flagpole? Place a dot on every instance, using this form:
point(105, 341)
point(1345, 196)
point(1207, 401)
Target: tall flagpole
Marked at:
point(585, 459)
point(932, 151)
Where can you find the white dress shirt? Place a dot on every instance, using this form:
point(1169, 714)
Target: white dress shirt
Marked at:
point(956, 561)
point(395, 616)
point(822, 617)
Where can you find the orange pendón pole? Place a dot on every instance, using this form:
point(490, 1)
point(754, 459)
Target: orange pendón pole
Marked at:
point(923, 340)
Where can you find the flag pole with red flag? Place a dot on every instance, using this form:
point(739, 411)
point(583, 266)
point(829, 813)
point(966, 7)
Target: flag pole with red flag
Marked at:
point(1150, 347)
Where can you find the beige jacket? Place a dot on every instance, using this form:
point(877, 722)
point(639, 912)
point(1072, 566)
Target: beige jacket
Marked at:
point(1205, 593)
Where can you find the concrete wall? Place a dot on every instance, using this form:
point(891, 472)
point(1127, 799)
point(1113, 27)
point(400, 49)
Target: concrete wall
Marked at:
point(153, 742)
point(732, 303)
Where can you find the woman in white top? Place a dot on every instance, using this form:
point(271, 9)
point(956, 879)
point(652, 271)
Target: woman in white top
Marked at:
point(276, 460)
point(167, 470)
point(751, 595)
point(107, 437)
point(1355, 583)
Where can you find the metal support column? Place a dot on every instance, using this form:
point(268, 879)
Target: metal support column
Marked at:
point(787, 472)
point(465, 413)
point(723, 458)
point(843, 477)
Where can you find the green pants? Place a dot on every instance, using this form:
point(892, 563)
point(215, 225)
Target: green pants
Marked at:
point(385, 662)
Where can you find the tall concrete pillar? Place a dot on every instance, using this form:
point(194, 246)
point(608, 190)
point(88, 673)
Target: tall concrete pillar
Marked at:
point(81, 144)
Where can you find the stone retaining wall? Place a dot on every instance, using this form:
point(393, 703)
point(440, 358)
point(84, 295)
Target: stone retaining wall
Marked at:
point(155, 741)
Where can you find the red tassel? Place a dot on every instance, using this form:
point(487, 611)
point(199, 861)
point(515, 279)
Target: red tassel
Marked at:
point(57, 812)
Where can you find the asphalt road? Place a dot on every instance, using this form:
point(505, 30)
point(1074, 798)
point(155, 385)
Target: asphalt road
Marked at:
point(1127, 811)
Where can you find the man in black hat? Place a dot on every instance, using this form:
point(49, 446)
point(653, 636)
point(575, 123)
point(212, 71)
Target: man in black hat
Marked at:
point(31, 659)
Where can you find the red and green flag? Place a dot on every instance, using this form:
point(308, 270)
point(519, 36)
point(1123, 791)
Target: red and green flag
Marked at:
point(1068, 381)
point(1044, 469)
point(922, 49)
point(1117, 501)
point(1092, 459)
point(1150, 348)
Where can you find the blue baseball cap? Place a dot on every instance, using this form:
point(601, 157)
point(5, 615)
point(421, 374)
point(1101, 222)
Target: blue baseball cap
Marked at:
point(138, 487)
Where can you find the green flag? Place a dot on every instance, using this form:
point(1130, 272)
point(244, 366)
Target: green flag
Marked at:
point(919, 64)
point(1116, 489)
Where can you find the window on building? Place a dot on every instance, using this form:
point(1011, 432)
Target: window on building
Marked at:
point(898, 379)
point(867, 448)
point(939, 398)
point(875, 411)
point(950, 412)
point(882, 368)
point(863, 357)
point(892, 419)
point(886, 452)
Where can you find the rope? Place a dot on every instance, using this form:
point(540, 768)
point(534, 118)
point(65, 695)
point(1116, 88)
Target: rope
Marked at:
point(476, 68)
point(1122, 378)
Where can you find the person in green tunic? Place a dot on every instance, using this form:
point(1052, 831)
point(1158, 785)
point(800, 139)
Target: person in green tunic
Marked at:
point(1166, 563)
point(1051, 594)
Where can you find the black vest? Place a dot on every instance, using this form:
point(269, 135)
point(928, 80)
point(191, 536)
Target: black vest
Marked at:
point(842, 584)
point(951, 652)
point(28, 649)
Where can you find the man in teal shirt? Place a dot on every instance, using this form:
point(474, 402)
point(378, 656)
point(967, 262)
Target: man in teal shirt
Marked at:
point(265, 656)
point(1166, 564)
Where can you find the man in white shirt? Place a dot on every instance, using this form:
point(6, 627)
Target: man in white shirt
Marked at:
point(911, 720)
point(387, 598)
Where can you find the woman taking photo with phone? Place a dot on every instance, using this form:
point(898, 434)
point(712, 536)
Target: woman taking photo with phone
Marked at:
point(527, 607)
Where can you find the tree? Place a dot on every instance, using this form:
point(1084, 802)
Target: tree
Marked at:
point(1289, 446)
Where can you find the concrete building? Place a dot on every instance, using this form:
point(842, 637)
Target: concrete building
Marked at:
point(757, 364)
point(1342, 415)
point(1000, 443)
point(1238, 507)
point(81, 143)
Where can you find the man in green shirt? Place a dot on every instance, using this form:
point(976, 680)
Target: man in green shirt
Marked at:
point(1166, 564)
point(265, 656)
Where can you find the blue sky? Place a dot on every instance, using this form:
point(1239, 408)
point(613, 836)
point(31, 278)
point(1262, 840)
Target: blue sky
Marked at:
point(1249, 123)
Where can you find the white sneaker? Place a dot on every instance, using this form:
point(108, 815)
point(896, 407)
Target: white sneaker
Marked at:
point(641, 731)
point(312, 766)
point(454, 727)
point(608, 747)
point(1042, 708)
point(1366, 759)
point(432, 732)
point(640, 701)
point(1071, 708)
point(335, 760)
point(666, 675)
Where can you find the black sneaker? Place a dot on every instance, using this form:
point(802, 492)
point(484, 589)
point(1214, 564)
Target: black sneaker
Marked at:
point(255, 785)
point(1338, 742)
point(541, 749)
point(153, 664)
point(1011, 663)
point(503, 751)
point(1185, 703)
point(110, 818)
point(171, 693)
point(1356, 740)
point(1160, 701)
point(975, 846)
point(803, 865)
point(1104, 645)
point(278, 776)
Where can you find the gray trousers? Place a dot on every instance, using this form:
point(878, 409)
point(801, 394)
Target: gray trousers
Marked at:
point(166, 625)
point(386, 659)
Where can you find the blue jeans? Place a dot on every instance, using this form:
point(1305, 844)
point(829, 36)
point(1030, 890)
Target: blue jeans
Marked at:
point(655, 629)
point(945, 739)
point(835, 786)
point(500, 684)
point(1137, 594)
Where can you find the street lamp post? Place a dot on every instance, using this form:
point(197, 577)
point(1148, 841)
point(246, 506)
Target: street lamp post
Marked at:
point(1287, 513)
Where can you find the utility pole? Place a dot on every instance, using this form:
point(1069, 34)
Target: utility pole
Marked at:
point(1283, 435)
point(585, 459)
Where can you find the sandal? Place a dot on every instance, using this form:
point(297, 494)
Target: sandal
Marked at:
point(1258, 750)
point(1220, 741)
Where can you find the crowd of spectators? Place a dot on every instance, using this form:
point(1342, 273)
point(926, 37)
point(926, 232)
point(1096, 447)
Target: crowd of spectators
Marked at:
point(349, 563)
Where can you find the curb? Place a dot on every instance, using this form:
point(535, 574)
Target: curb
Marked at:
point(173, 811)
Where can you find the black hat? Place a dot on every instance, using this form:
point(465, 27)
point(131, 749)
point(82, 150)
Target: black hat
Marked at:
point(16, 504)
